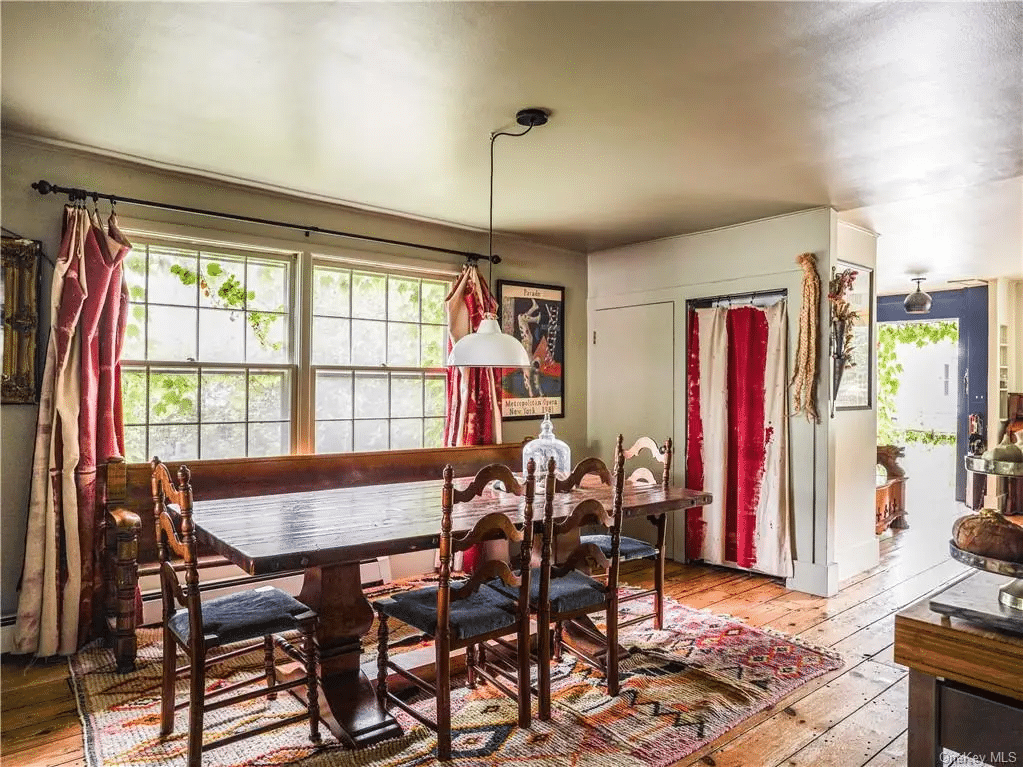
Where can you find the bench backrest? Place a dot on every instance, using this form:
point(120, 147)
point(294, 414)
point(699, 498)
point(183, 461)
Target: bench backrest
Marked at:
point(127, 485)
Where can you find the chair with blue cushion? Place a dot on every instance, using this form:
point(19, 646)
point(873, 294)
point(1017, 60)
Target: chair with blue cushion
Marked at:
point(199, 626)
point(563, 592)
point(633, 548)
point(468, 614)
point(566, 594)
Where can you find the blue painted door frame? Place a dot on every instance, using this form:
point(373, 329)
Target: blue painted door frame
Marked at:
point(969, 306)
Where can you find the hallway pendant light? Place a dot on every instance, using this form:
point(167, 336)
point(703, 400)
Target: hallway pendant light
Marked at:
point(919, 302)
point(488, 347)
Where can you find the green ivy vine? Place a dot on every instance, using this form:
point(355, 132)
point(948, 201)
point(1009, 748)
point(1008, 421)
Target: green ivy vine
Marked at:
point(227, 292)
point(889, 336)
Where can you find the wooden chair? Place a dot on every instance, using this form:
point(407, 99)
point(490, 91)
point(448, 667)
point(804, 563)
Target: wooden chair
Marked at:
point(562, 592)
point(633, 548)
point(468, 614)
point(567, 594)
point(198, 627)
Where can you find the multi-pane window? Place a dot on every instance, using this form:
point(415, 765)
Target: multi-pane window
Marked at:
point(213, 365)
point(207, 363)
point(378, 344)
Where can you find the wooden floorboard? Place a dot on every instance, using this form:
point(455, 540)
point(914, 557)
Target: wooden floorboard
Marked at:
point(855, 716)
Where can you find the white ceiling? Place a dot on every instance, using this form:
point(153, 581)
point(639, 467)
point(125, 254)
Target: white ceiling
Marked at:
point(666, 117)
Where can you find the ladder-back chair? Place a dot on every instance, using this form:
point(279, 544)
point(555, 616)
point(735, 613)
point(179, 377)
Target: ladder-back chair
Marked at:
point(633, 548)
point(567, 594)
point(562, 592)
point(468, 614)
point(199, 626)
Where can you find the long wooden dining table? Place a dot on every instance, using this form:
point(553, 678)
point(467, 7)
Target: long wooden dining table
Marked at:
point(328, 533)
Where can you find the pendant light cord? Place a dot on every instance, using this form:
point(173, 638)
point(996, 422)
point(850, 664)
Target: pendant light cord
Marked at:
point(490, 241)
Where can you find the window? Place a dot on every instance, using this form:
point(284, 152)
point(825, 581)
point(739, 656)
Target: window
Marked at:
point(378, 343)
point(213, 366)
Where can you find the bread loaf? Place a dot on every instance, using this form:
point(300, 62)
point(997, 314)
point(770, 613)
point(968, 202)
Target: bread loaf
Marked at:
point(989, 534)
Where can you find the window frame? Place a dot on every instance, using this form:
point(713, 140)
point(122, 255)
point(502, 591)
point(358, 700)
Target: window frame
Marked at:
point(303, 256)
point(202, 246)
point(355, 264)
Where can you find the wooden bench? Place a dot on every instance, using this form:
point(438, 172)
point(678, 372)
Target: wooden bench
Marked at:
point(129, 536)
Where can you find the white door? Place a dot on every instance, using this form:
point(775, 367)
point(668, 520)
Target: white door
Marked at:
point(632, 388)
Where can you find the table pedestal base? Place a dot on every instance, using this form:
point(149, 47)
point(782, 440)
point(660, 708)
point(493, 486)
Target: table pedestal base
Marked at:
point(348, 701)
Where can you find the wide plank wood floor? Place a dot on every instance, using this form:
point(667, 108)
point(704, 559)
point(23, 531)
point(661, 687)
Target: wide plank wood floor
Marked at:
point(853, 717)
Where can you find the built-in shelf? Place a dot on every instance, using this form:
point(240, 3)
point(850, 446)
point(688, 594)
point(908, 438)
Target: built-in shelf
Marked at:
point(1003, 371)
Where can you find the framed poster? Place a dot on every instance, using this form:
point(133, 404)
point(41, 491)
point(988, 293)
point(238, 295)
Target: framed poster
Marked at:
point(534, 314)
point(856, 390)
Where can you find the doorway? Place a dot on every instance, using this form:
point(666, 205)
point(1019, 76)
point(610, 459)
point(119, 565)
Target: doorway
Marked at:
point(917, 404)
point(968, 307)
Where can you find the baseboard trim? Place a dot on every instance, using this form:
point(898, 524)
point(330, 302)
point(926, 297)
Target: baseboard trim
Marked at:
point(853, 560)
point(7, 632)
point(813, 578)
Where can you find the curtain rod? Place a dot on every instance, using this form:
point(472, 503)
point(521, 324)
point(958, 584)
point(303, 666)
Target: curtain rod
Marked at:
point(75, 194)
point(752, 295)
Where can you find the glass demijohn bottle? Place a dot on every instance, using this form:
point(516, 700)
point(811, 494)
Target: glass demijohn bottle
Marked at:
point(544, 447)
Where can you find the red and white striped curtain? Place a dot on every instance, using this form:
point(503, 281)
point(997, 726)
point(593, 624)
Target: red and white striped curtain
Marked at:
point(737, 443)
point(79, 422)
point(472, 415)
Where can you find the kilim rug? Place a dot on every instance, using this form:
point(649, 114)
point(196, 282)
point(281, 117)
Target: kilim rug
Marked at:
point(681, 688)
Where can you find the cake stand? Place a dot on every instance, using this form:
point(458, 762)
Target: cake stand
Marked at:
point(984, 598)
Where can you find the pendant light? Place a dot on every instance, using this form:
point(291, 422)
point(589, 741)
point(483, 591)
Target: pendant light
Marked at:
point(919, 302)
point(488, 347)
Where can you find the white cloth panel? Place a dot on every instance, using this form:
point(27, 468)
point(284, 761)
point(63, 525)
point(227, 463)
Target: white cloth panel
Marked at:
point(773, 513)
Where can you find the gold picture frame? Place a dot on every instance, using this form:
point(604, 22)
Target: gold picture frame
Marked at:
point(20, 291)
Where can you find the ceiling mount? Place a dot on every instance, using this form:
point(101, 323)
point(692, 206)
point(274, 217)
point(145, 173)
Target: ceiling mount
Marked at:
point(532, 117)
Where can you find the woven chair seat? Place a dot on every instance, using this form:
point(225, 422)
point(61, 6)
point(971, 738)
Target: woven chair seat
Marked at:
point(483, 612)
point(244, 615)
point(629, 548)
point(572, 591)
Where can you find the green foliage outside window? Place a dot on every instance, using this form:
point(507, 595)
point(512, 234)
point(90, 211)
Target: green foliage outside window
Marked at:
point(360, 318)
point(227, 292)
point(889, 336)
point(165, 403)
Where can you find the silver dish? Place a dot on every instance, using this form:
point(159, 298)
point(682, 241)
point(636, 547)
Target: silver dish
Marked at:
point(1011, 594)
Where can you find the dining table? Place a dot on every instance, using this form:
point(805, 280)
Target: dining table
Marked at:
point(327, 534)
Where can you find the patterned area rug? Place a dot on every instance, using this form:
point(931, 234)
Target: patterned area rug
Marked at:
point(681, 688)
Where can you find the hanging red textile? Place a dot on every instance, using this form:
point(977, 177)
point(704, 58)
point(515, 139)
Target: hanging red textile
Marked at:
point(694, 441)
point(472, 412)
point(747, 449)
point(79, 421)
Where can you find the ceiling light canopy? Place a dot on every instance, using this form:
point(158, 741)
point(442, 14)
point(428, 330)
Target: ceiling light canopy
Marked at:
point(919, 302)
point(488, 347)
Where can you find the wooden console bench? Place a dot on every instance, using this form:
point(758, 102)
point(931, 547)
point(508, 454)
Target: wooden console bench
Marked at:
point(129, 536)
point(890, 497)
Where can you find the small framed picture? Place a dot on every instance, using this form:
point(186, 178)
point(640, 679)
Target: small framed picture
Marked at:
point(534, 314)
point(856, 390)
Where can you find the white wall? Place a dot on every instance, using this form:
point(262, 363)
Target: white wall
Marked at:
point(756, 256)
point(36, 217)
point(852, 439)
